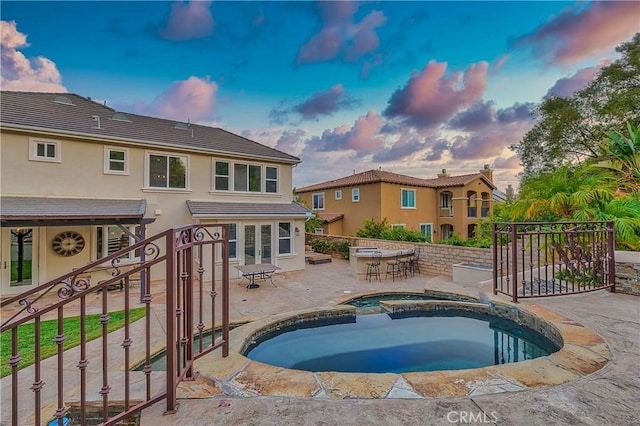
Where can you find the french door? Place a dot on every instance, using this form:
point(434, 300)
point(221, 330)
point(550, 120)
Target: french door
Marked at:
point(257, 244)
point(19, 259)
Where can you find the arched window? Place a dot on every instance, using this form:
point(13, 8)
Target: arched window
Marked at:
point(446, 231)
point(471, 230)
point(484, 210)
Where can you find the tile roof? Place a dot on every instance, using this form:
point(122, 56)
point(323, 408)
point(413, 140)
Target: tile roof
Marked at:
point(41, 208)
point(375, 176)
point(70, 114)
point(331, 217)
point(212, 209)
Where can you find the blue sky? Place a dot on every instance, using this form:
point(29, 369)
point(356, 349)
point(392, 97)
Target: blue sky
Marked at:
point(411, 87)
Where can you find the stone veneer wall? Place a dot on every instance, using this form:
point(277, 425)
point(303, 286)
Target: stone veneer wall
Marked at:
point(435, 259)
point(628, 272)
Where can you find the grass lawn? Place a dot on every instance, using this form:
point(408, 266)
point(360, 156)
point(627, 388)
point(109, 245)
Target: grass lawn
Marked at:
point(49, 329)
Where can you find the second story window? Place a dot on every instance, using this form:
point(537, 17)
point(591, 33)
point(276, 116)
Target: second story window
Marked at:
point(339, 194)
point(271, 180)
point(221, 178)
point(318, 201)
point(116, 161)
point(246, 178)
point(44, 150)
point(408, 197)
point(355, 195)
point(167, 171)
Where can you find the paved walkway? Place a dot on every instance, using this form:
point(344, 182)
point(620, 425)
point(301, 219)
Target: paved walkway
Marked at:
point(607, 397)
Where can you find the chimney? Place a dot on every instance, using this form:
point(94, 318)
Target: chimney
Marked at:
point(509, 192)
point(443, 174)
point(487, 172)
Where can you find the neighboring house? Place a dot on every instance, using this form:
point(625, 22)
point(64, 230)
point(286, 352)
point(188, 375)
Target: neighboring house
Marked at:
point(80, 180)
point(439, 208)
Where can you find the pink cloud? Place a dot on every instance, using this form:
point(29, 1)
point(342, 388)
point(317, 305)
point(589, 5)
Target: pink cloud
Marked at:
point(20, 73)
point(188, 21)
point(192, 99)
point(581, 32)
point(431, 97)
point(566, 87)
point(363, 137)
point(340, 36)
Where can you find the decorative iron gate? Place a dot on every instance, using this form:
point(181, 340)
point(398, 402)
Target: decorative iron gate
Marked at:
point(187, 266)
point(550, 259)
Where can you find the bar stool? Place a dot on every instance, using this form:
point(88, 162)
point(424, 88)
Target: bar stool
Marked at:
point(414, 261)
point(394, 267)
point(373, 266)
point(405, 263)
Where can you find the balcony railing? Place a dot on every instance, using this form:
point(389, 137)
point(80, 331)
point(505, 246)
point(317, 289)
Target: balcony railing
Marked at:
point(472, 212)
point(484, 211)
point(446, 211)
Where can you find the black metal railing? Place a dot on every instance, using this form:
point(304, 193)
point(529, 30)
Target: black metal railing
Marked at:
point(186, 267)
point(550, 259)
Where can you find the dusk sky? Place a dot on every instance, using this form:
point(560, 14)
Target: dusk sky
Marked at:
point(411, 87)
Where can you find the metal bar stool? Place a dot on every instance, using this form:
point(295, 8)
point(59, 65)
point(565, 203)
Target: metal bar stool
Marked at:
point(373, 266)
point(394, 267)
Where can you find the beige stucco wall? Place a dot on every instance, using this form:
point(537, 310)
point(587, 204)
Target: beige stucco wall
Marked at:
point(80, 173)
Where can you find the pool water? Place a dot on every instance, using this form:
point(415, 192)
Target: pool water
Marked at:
point(379, 344)
point(374, 301)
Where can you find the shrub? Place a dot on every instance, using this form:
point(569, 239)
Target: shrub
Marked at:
point(382, 231)
point(331, 247)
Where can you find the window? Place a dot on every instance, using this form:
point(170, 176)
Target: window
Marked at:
point(426, 229)
point(408, 198)
point(167, 171)
point(318, 201)
point(355, 195)
point(284, 237)
point(221, 176)
point(445, 200)
point(247, 178)
point(339, 194)
point(116, 161)
point(271, 180)
point(398, 226)
point(44, 150)
point(240, 177)
point(233, 241)
point(110, 239)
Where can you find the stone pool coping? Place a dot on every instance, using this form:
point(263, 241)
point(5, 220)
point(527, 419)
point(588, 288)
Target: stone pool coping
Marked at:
point(583, 353)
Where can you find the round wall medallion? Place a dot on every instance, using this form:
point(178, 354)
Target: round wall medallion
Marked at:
point(68, 243)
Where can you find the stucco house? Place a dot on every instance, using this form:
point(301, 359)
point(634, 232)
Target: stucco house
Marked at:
point(79, 180)
point(439, 207)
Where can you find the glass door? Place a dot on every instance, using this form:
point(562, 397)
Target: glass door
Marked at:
point(257, 244)
point(250, 251)
point(265, 244)
point(19, 265)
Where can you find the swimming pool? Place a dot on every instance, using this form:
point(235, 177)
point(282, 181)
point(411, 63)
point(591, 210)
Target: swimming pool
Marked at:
point(399, 343)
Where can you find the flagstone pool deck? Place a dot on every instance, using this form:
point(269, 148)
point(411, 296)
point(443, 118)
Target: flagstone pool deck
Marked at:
point(593, 380)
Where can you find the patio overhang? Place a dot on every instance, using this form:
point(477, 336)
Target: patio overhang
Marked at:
point(220, 210)
point(45, 211)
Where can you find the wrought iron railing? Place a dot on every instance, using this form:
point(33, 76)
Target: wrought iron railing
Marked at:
point(550, 259)
point(187, 267)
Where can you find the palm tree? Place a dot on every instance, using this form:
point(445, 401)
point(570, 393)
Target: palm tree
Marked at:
point(620, 155)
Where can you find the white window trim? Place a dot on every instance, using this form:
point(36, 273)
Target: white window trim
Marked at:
point(324, 201)
point(213, 175)
point(231, 177)
point(107, 170)
point(33, 150)
point(398, 226)
point(266, 179)
point(237, 242)
point(426, 223)
point(414, 198)
point(148, 188)
point(355, 198)
point(338, 194)
point(290, 238)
